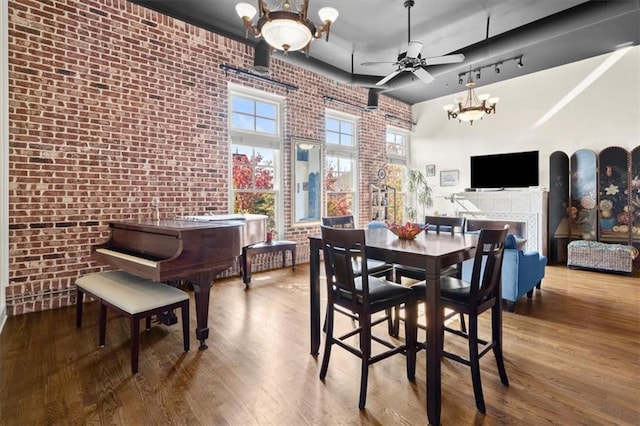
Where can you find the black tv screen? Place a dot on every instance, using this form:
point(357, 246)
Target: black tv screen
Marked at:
point(512, 170)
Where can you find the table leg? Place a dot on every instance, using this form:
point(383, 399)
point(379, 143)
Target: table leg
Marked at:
point(293, 259)
point(314, 282)
point(434, 342)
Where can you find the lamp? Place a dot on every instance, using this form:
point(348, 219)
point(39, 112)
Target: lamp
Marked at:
point(261, 59)
point(372, 99)
point(285, 29)
point(473, 107)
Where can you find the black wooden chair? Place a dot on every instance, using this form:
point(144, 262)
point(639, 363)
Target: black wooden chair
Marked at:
point(473, 298)
point(451, 224)
point(363, 295)
point(377, 268)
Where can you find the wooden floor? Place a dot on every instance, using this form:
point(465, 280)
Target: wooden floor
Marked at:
point(572, 354)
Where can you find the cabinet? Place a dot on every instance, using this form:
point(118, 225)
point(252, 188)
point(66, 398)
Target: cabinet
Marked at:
point(384, 205)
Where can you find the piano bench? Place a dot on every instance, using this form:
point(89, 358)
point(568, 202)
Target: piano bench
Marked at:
point(274, 246)
point(135, 297)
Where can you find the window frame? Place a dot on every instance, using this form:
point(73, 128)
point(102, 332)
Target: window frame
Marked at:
point(259, 140)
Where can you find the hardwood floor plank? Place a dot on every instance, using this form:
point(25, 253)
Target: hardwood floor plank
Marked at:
point(572, 354)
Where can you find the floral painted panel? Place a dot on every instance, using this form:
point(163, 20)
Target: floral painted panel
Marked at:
point(559, 225)
point(582, 211)
point(616, 219)
point(635, 195)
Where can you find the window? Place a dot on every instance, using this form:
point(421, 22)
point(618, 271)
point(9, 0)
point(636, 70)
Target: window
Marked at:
point(256, 144)
point(340, 164)
point(254, 115)
point(340, 132)
point(396, 167)
point(254, 181)
point(396, 144)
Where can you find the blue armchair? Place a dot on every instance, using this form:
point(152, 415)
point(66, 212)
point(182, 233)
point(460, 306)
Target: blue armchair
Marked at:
point(521, 272)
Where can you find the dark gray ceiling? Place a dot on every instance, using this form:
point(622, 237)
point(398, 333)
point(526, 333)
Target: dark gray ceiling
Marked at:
point(546, 33)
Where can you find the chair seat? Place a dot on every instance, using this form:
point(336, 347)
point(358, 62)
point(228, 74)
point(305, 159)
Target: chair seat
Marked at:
point(450, 288)
point(381, 291)
point(420, 273)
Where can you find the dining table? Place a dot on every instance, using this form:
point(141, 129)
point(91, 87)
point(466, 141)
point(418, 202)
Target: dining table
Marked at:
point(430, 250)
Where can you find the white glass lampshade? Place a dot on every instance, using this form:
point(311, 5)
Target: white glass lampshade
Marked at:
point(483, 97)
point(471, 115)
point(281, 32)
point(448, 107)
point(328, 14)
point(245, 10)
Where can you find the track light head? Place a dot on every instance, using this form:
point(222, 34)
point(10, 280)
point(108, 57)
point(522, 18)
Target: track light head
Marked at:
point(497, 68)
point(478, 75)
point(520, 64)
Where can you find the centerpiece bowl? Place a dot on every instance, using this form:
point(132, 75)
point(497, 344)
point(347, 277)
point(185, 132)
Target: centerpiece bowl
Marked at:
point(408, 231)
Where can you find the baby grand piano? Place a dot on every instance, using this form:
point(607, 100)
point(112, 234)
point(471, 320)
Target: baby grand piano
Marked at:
point(171, 249)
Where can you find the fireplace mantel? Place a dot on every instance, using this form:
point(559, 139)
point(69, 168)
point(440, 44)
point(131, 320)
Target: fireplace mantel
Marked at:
point(529, 206)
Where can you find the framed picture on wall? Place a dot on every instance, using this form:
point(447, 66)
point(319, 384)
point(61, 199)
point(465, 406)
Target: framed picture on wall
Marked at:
point(431, 170)
point(449, 177)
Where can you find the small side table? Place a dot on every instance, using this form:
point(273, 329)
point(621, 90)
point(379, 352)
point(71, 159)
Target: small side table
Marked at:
point(273, 246)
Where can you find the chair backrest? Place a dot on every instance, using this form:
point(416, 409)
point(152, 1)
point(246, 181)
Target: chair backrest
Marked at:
point(452, 222)
point(341, 248)
point(345, 222)
point(487, 264)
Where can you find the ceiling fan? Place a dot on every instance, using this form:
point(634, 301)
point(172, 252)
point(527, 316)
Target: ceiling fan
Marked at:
point(412, 61)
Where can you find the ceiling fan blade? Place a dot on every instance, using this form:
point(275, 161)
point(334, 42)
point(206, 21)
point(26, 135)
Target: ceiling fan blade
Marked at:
point(414, 49)
point(447, 59)
point(366, 64)
point(388, 77)
point(423, 75)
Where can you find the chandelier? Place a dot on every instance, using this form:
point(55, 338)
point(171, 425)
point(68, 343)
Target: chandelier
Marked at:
point(285, 29)
point(474, 107)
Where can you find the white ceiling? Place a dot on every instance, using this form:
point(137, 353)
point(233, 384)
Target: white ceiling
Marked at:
point(546, 33)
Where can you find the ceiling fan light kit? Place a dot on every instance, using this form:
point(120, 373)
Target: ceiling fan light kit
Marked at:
point(285, 29)
point(412, 60)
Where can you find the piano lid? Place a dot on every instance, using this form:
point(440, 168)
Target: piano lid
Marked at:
point(255, 225)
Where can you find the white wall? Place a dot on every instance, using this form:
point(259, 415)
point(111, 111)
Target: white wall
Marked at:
point(606, 113)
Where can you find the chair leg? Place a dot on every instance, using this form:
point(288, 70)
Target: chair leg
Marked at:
point(496, 335)
point(135, 343)
point(365, 348)
point(411, 337)
point(474, 361)
point(463, 325)
point(328, 342)
point(79, 303)
point(511, 306)
point(102, 324)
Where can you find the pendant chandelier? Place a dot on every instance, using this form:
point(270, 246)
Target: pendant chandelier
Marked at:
point(286, 29)
point(474, 107)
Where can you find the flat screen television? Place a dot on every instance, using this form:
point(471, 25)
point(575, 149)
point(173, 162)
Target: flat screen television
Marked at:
point(512, 170)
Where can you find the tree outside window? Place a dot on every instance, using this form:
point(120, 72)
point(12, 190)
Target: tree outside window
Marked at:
point(339, 184)
point(253, 182)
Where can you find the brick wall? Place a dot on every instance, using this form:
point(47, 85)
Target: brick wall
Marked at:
point(110, 105)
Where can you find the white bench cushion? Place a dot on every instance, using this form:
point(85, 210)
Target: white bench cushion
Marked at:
point(129, 292)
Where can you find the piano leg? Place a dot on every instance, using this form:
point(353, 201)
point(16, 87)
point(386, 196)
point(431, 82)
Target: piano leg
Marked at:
point(201, 290)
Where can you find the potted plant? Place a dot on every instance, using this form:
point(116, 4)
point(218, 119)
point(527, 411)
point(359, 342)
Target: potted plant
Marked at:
point(419, 195)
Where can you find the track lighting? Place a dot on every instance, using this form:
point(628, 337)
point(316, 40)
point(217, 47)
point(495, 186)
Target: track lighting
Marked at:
point(460, 80)
point(497, 68)
point(478, 75)
point(520, 64)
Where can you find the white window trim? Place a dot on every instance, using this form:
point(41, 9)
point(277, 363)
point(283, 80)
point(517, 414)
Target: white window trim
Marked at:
point(260, 140)
point(398, 159)
point(342, 151)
